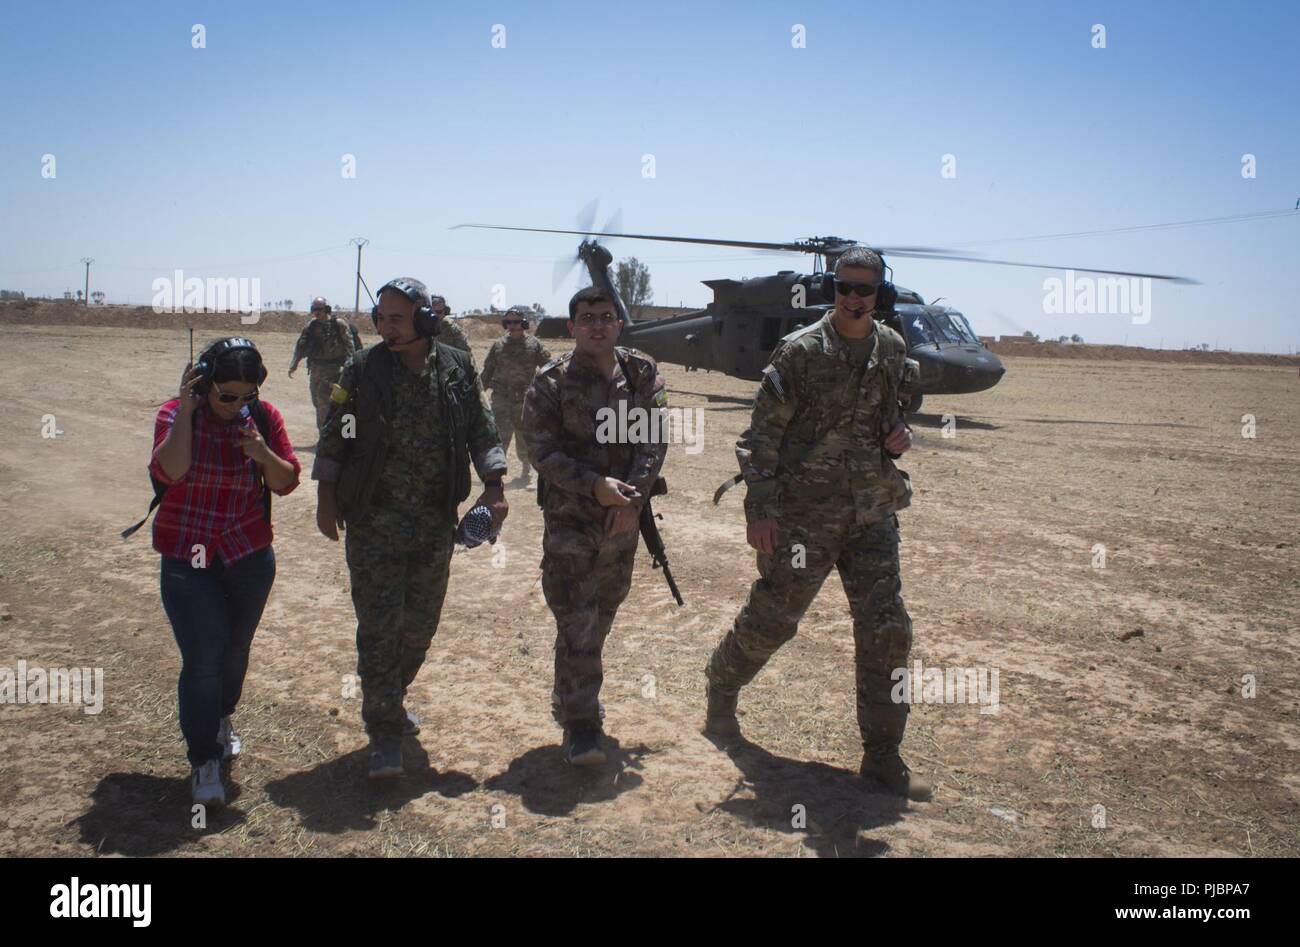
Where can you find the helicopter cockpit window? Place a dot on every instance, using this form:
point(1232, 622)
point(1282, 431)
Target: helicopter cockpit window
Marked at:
point(918, 331)
point(947, 329)
point(965, 324)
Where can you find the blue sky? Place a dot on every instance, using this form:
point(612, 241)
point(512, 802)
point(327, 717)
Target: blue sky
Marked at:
point(225, 161)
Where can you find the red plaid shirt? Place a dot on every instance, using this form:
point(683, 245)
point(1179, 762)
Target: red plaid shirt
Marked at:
point(218, 503)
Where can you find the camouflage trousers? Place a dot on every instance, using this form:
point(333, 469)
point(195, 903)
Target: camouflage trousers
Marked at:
point(399, 568)
point(322, 376)
point(585, 579)
point(510, 422)
point(867, 560)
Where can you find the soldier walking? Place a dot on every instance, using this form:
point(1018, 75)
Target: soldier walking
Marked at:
point(449, 333)
point(508, 370)
point(326, 342)
point(822, 493)
point(591, 490)
point(393, 464)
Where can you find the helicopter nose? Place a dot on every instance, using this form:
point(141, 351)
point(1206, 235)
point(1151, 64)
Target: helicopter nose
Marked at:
point(972, 371)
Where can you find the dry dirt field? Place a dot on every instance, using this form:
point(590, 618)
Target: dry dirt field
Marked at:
point(1198, 523)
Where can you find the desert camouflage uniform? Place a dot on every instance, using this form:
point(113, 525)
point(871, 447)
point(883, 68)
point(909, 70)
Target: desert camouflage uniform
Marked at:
point(399, 543)
point(449, 333)
point(508, 370)
point(326, 343)
point(585, 574)
point(813, 460)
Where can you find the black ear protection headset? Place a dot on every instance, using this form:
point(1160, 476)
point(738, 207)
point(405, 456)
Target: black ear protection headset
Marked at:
point(886, 295)
point(208, 358)
point(515, 314)
point(426, 323)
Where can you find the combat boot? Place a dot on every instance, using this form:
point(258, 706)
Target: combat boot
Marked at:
point(889, 770)
point(385, 758)
point(583, 747)
point(720, 718)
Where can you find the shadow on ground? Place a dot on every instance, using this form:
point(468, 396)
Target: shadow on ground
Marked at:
point(548, 785)
point(838, 806)
point(336, 796)
point(140, 815)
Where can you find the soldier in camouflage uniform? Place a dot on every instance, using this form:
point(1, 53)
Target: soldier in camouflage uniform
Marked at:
point(593, 489)
point(393, 463)
point(822, 493)
point(326, 342)
point(449, 333)
point(508, 370)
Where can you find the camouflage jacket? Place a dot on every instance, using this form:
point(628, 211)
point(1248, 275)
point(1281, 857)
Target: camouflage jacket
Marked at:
point(449, 333)
point(511, 364)
point(323, 340)
point(562, 415)
point(818, 427)
point(402, 444)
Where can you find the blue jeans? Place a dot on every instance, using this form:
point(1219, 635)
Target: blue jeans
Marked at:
point(214, 613)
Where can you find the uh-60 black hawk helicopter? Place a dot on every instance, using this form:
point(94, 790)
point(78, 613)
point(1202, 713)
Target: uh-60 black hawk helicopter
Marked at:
point(737, 332)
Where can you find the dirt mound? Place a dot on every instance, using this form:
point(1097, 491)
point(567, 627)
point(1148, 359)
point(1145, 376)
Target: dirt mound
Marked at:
point(1132, 353)
point(38, 313)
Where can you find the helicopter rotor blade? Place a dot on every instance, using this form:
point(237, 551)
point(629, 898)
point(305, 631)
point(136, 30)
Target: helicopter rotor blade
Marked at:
point(743, 244)
point(922, 253)
point(814, 246)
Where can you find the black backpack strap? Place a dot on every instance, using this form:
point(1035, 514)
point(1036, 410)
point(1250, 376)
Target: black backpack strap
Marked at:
point(159, 488)
point(263, 422)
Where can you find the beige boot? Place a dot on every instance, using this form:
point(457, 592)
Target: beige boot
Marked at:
point(890, 771)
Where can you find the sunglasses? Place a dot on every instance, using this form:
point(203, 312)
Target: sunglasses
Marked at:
point(859, 289)
point(590, 319)
point(231, 399)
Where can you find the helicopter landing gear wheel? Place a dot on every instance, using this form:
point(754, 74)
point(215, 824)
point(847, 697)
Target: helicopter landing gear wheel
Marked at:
point(915, 406)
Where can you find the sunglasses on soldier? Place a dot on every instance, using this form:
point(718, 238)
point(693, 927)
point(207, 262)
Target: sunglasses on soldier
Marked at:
point(859, 289)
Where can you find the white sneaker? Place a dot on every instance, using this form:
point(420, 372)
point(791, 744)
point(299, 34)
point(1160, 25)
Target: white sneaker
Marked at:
point(205, 785)
point(229, 739)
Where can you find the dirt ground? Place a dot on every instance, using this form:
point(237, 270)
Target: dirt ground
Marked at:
point(1198, 524)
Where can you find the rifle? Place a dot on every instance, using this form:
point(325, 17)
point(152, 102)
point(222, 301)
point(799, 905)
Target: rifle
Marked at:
point(654, 543)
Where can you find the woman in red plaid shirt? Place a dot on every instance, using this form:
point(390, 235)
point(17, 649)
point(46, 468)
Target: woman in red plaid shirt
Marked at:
point(213, 530)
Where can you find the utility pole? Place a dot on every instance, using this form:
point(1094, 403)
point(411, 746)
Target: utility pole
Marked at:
point(359, 242)
point(87, 260)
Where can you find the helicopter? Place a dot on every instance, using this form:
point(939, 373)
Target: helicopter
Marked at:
point(737, 332)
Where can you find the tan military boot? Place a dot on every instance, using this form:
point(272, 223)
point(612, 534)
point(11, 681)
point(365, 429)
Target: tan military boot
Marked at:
point(720, 719)
point(890, 771)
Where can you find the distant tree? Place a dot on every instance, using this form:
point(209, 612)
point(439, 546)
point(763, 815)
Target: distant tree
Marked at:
point(98, 297)
point(288, 304)
point(539, 309)
point(632, 279)
point(1064, 338)
point(1030, 336)
point(1076, 339)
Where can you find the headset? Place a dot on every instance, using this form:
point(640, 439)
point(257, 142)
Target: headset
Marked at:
point(426, 324)
point(208, 358)
point(886, 295)
point(516, 314)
